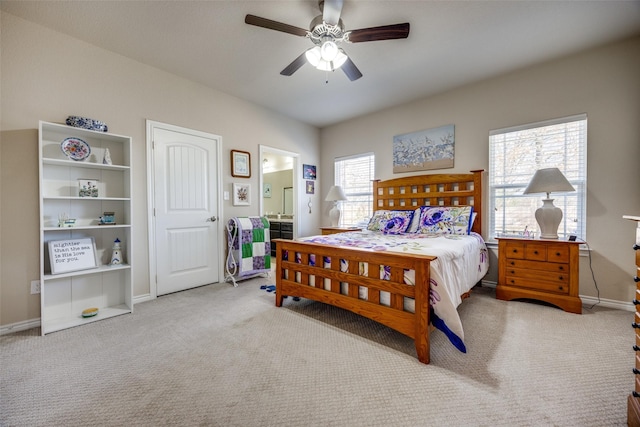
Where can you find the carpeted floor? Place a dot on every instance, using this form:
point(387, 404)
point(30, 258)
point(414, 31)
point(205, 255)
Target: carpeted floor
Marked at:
point(224, 356)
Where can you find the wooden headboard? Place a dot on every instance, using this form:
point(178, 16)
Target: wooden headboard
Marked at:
point(432, 190)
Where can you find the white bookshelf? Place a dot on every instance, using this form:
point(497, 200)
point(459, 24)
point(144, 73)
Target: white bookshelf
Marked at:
point(108, 287)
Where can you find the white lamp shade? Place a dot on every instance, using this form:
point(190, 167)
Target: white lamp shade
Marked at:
point(548, 180)
point(548, 216)
point(335, 194)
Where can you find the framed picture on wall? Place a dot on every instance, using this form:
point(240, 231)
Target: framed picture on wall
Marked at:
point(240, 164)
point(310, 187)
point(308, 172)
point(241, 194)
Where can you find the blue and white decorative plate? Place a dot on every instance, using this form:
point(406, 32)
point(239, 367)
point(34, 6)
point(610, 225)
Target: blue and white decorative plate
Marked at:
point(86, 123)
point(75, 148)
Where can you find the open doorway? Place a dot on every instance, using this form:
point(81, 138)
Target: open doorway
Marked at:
point(279, 184)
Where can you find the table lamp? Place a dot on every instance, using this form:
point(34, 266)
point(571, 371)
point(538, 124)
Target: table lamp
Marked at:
point(548, 216)
point(335, 194)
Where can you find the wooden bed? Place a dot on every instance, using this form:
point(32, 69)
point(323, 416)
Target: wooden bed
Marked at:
point(407, 193)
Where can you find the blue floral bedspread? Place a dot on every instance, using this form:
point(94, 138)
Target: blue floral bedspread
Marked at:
point(462, 262)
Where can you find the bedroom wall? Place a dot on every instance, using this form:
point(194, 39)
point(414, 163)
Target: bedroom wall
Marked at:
point(48, 76)
point(601, 82)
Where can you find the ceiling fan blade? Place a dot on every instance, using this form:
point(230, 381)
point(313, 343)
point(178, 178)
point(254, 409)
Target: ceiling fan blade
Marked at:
point(351, 70)
point(385, 32)
point(331, 10)
point(295, 65)
point(274, 25)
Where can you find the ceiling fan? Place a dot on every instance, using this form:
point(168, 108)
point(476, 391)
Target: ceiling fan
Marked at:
point(327, 31)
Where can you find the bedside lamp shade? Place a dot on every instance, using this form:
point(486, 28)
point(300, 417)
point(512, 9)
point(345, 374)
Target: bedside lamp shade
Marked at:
point(335, 194)
point(548, 216)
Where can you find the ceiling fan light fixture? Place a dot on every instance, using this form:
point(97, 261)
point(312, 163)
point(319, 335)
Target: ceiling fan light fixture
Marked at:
point(329, 51)
point(314, 57)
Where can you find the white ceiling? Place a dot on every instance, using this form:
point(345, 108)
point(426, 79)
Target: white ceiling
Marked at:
point(451, 43)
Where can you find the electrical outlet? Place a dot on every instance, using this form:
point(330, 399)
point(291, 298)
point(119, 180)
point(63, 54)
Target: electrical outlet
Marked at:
point(35, 287)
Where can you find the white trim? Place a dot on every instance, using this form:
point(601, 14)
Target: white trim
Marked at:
point(297, 173)
point(354, 156)
point(19, 326)
point(151, 125)
point(587, 301)
point(550, 122)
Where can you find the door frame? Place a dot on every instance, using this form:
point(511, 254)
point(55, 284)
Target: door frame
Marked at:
point(151, 125)
point(297, 173)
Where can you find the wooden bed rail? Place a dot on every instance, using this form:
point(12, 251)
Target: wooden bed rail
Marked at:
point(298, 276)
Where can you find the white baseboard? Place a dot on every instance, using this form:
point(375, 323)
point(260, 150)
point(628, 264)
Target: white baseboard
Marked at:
point(588, 301)
point(20, 326)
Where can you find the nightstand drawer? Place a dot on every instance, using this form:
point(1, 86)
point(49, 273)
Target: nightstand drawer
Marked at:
point(286, 226)
point(557, 253)
point(559, 287)
point(547, 276)
point(514, 250)
point(535, 252)
point(536, 265)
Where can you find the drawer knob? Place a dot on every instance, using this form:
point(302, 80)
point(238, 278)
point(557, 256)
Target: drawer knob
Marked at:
point(636, 247)
point(561, 277)
point(515, 251)
point(636, 279)
point(635, 394)
point(560, 288)
point(513, 272)
point(561, 268)
point(535, 252)
point(636, 371)
point(636, 348)
point(636, 302)
point(557, 253)
point(513, 263)
point(635, 325)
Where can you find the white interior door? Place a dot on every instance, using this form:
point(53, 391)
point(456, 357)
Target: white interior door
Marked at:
point(187, 240)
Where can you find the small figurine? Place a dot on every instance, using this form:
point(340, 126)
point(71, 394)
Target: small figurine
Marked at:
point(107, 157)
point(116, 255)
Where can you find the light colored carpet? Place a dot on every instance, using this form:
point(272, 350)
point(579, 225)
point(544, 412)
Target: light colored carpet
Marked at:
point(224, 356)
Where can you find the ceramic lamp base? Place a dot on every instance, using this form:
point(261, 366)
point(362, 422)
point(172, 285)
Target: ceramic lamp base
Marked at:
point(549, 218)
point(334, 215)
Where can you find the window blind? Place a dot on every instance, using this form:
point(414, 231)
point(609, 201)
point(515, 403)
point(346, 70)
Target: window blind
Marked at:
point(514, 156)
point(354, 174)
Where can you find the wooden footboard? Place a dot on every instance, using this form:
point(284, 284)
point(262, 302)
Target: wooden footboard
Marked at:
point(298, 276)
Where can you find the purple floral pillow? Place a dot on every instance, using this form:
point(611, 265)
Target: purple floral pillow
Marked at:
point(390, 222)
point(445, 220)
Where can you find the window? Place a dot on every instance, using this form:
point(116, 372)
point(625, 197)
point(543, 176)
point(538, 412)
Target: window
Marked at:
point(354, 174)
point(514, 156)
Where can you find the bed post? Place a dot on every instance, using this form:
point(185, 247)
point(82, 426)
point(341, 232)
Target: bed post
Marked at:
point(279, 273)
point(477, 200)
point(421, 310)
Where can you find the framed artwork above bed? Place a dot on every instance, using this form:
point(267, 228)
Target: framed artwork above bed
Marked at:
point(424, 150)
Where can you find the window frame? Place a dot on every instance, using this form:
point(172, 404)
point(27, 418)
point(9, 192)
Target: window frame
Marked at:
point(352, 192)
point(573, 204)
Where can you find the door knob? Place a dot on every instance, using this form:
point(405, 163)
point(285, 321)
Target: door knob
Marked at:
point(212, 219)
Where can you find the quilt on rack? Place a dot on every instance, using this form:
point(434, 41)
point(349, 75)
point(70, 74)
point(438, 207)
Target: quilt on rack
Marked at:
point(251, 244)
point(462, 262)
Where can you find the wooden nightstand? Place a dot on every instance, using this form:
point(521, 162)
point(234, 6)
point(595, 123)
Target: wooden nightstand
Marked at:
point(334, 230)
point(545, 270)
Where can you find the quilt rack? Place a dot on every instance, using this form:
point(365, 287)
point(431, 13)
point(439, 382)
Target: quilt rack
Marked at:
point(249, 248)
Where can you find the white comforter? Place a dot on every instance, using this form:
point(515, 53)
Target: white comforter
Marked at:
point(462, 262)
